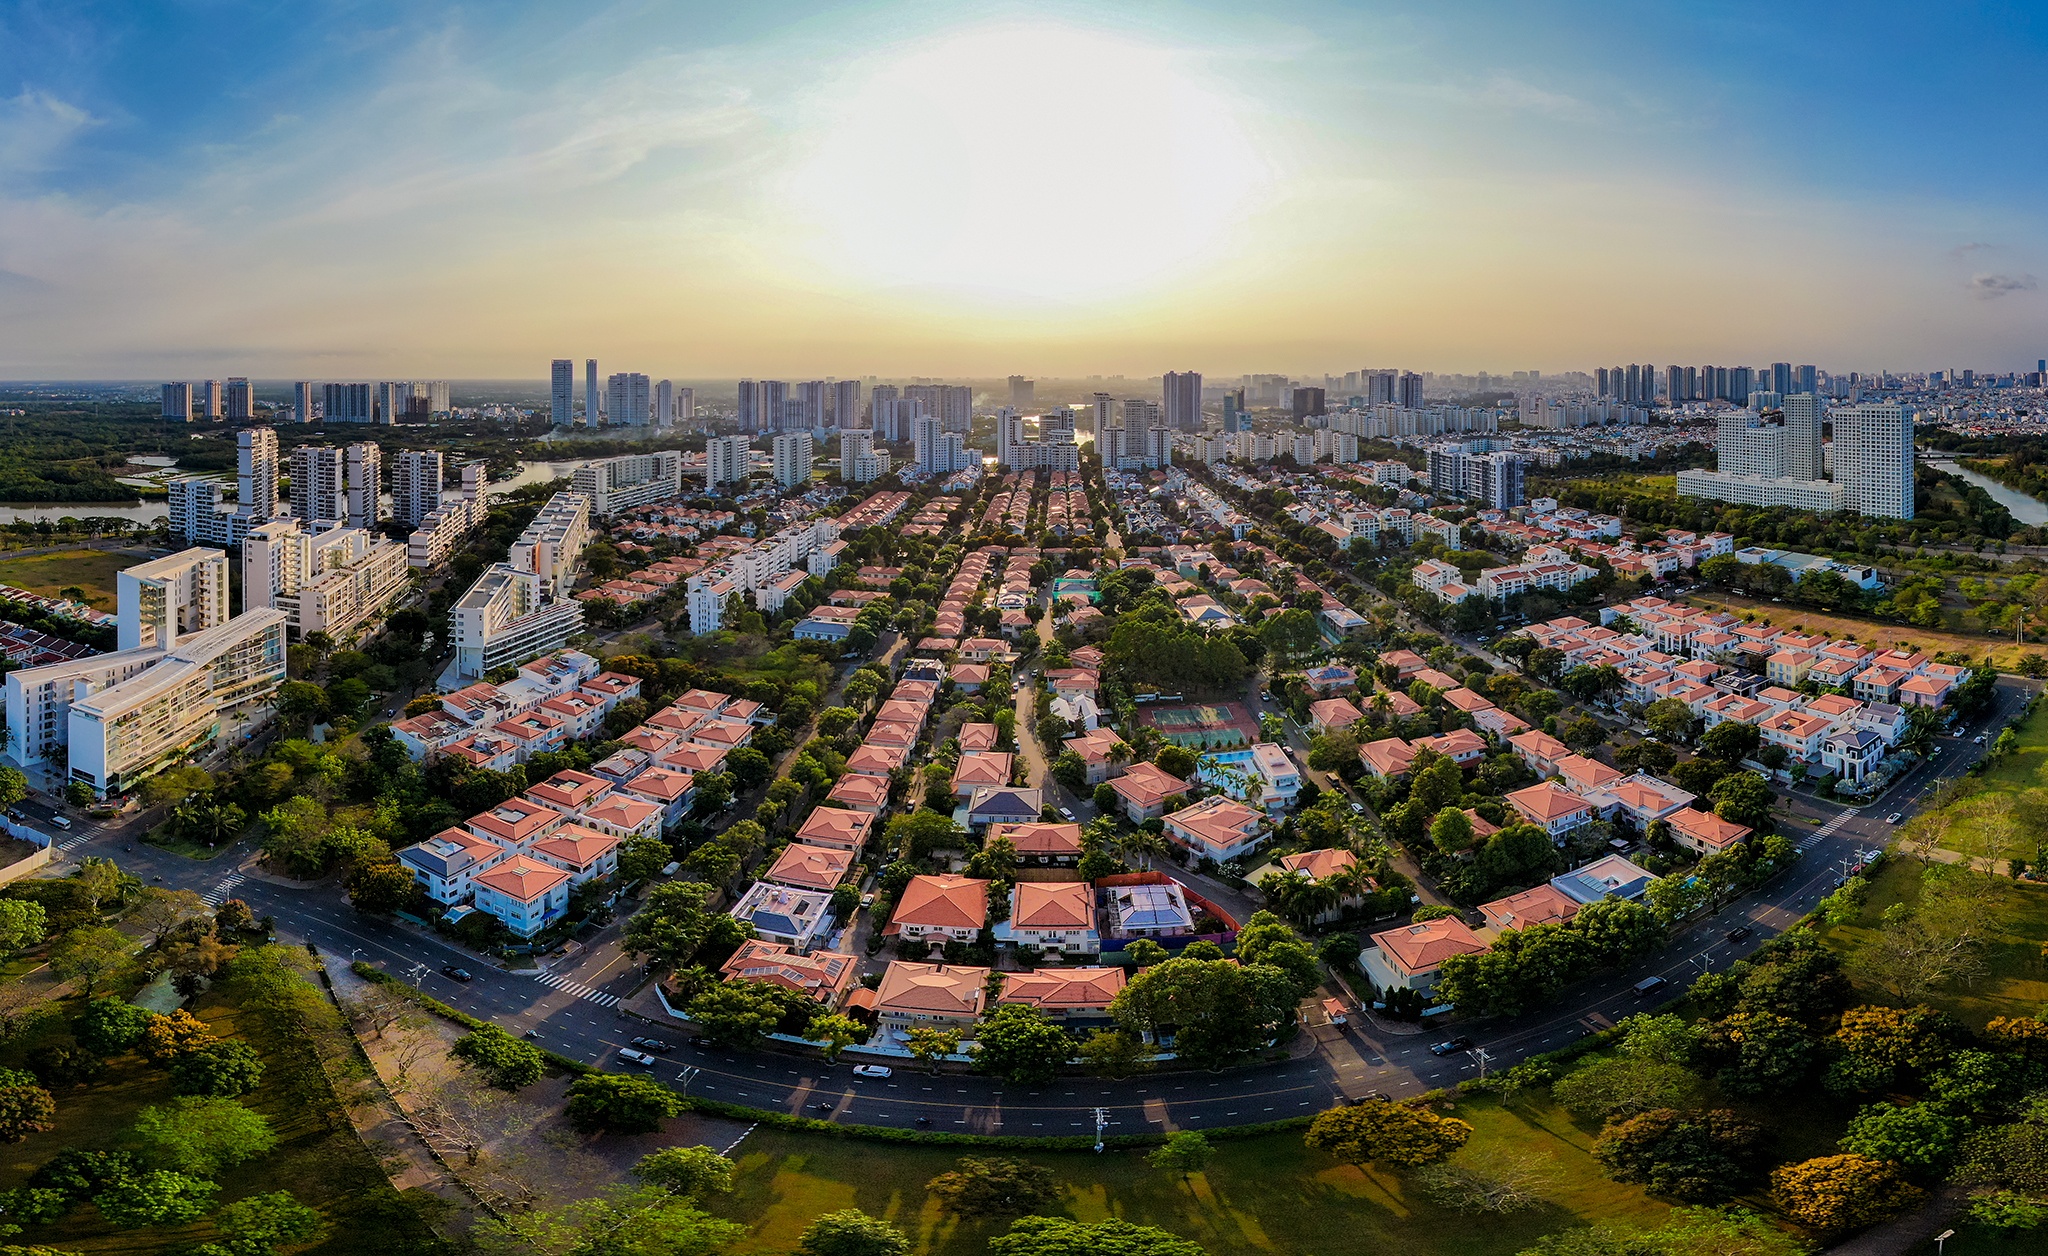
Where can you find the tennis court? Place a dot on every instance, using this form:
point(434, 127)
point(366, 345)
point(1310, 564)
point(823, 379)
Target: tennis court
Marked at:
point(1203, 725)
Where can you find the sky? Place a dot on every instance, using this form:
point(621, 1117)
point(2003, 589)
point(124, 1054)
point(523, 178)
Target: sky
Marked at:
point(355, 188)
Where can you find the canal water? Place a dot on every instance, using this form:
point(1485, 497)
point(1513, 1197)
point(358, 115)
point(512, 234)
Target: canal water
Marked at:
point(2030, 511)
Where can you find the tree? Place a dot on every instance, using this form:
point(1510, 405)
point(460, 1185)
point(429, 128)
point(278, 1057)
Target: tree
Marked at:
point(168, 1037)
point(1184, 1153)
point(1071, 771)
point(505, 1061)
point(1669, 719)
point(1175, 760)
point(933, 1045)
point(1106, 799)
point(1697, 776)
point(25, 1108)
point(261, 1224)
point(1618, 931)
point(1113, 1053)
point(1700, 1157)
point(620, 1103)
point(13, 786)
point(222, 1070)
point(994, 1186)
point(641, 858)
point(851, 1232)
point(91, 957)
point(673, 923)
point(1918, 1137)
point(1838, 1194)
point(1622, 1086)
point(1213, 1007)
point(21, 924)
point(1493, 1179)
point(749, 767)
point(1451, 831)
point(690, 1171)
point(381, 886)
point(1390, 1132)
point(1144, 952)
point(159, 1198)
point(836, 1031)
point(1758, 1052)
point(1058, 1236)
point(202, 1136)
point(739, 1013)
point(1583, 733)
point(1743, 798)
point(1730, 741)
point(1017, 1043)
point(111, 1025)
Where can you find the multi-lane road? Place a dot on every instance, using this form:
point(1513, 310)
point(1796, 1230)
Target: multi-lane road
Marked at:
point(574, 1008)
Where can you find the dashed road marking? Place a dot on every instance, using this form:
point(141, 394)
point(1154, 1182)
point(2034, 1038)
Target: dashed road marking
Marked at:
point(556, 982)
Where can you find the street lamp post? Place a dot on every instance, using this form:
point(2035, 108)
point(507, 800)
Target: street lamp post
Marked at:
point(1941, 1241)
point(1101, 1123)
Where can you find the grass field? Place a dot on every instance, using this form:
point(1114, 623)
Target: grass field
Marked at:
point(2003, 653)
point(1265, 1194)
point(90, 569)
point(319, 1158)
point(1996, 815)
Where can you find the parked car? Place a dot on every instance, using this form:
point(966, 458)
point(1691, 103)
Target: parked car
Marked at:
point(453, 973)
point(630, 1056)
point(1737, 934)
point(1451, 1046)
point(1372, 1096)
point(870, 1070)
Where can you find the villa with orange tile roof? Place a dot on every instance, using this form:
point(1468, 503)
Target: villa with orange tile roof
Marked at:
point(1102, 751)
point(1539, 750)
point(1543, 905)
point(929, 996)
point(1052, 916)
point(944, 908)
point(584, 853)
point(525, 894)
point(868, 794)
point(1218, 827)
point(666, 788)
point(986, 769)
point(836, 828)
point(1553, 809)
point(569, 792)
point(1144, 789)
point(1388, 758)
point(1065, 993)
point(825, 976)
point(1582, 775)
point(1333, 713)
point(869, 759)
point(1041, 843)
point(976, 737)
point(516, 823)
point(1703, 831)
point(1409, 956)
point(805, 867)
point(695, 760)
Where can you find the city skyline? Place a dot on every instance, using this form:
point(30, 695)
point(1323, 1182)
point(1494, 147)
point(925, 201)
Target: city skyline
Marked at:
point(368, 194)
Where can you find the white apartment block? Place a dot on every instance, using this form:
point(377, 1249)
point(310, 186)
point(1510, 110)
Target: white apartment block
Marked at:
point(178, 403)
point(858, 461)
point(748, 571)
point(618, 484)
point(336, 582)
point(1823, 496)
point(319, 484)
point(132, 728)
point(200, 516)
point(938, 451)
point(727, 460)
point(416, 478)
point(365, 472)
point(629, 399)
point(39, 699)
point(794, 453)
point(1873, 458)
point(552, 545)
point(166, 598)
point(507, 617)
point(440, 534)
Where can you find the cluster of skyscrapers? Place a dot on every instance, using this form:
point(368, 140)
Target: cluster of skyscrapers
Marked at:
point(629, 398)
point(1777, 457)
point(386, 402)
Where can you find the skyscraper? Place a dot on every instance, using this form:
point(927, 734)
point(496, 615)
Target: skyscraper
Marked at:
point(1873, 457)
point(727, 460)
point(210, 398)
point(1781, 378)
point(686, 405)
point(1309, 402)
point(811, 397)
point(365, 470)
point(590, 410)
point(415, 485)
point(348, 403)
point(318, 485)
point(256, 472)
point(882, 412)
point(178, 403)
point(846, 404)
point(1411, 391)
point(1805, 379)
point(1009, 434)
point(772, 396)
point(793, 453)
point(1023, 393)
point(1183, 400)
point(239, 401)
point(628, 399)
point(562, 392)
point(664, 403)
point(1803, 459)
point(302, 400)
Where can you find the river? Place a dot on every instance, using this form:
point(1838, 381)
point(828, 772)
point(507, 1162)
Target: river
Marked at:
point(2030, 511)
point(150, 511)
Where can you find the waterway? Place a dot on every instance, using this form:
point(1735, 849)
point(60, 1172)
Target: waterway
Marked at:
point(2030, 511)
point(150, 511)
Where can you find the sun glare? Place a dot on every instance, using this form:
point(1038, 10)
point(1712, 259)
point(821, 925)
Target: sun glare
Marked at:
point(1026, 161)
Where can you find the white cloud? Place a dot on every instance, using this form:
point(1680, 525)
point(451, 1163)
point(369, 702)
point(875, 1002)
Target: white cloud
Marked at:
point(34, 127)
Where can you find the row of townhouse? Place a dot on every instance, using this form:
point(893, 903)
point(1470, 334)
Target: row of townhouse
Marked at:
point(553, 700)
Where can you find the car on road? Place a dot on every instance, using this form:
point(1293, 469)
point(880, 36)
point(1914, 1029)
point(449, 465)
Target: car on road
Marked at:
point(1737, 934)
point(1647, 985)
point(1978, 740)
point(60, 821)
point(453, 973)
point(1372, 1096)
point(655, 1045)
point(630, 1056)
point(1358, 808)
point(1067, 813)
point(1895, 817)
point(1451, 1046)
point(870, 1070)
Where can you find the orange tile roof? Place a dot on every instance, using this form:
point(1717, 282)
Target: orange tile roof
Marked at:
point(1055, 989)
point(942, 902)
point(1052, 905)
point(1420, 948)
point(522, 878)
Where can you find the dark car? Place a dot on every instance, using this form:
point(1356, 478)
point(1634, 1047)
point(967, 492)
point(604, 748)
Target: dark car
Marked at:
point(453, 973)
point(1737, 934)
point(1451, 1046)
point(1372, 1096)
point(655, 1045)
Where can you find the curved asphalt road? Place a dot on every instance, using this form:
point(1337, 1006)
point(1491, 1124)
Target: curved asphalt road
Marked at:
point(578, 1016)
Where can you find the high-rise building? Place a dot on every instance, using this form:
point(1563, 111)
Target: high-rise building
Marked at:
point(727, 460)
point(562, 392)
point(938, 451)
point(336, 581)
point(1023, 393)
point(846, 404)
point(628, 399)
point(1781, 378)
point(748, 405)
point(1183, 403)
point(365, 471)
point(1309, 402)
point(1411, 390)
point(416, 478)
point(256, 472)
point(304, 400)
point(178, 403)
point(1805, 379)
point(348, 403)
point(858, 461)
point(239, 401)
point(1752, 446)
point(951, 404)
point(686, 406)
point(811, 398)
point(773, 396)
point(665, 404)
point(1009, 435)
point(1102, 417)
point(1873, 458)
point(210, 398)
point(1235, 419)
point(166, 598)
point(319, 485)
point(590, 404)
point(617, 484)
point(793, 453)
point(1803, 457)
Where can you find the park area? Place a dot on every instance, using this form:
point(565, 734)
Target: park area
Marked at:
point(1203, 725)
point(2001, 815)
point(92, 570)
point(2003, 652)
point(1263, 1194)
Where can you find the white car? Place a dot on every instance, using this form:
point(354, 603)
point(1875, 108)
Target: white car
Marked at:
point(870, 1070)
point(630, 1056)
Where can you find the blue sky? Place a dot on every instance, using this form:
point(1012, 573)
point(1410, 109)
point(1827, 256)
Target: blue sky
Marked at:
point(931, 188)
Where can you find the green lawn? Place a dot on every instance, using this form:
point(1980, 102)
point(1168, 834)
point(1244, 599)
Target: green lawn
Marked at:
point(2017, 981)
point(1982, 820)
point(90, 569)
point(1265, 1194)
point(319, 1158)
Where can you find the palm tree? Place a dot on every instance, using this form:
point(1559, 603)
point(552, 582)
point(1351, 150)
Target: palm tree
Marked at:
point(1140, 846)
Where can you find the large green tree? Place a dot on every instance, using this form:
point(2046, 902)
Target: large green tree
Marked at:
point(1060, 1236)
point(1017, 1043)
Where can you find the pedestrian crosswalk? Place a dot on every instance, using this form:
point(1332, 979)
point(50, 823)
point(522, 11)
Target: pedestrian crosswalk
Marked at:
point(577, 988)
point(220, 893)
point(1825, 830)
point(76, 841)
